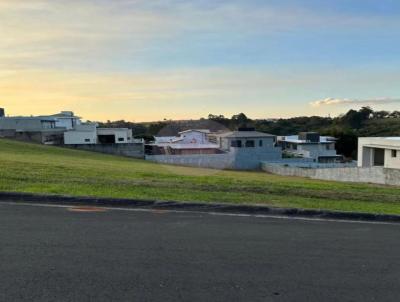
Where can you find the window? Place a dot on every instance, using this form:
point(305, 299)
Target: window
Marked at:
point(121, 139)
point(260, 143)
point(236, 144)
point(394, 153)
point(87, 140)
point(250, 144)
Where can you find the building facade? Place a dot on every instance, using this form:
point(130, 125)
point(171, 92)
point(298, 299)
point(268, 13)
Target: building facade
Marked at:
point(310, 145)
point(379, 152)
point(237, 150)
point(89, 134)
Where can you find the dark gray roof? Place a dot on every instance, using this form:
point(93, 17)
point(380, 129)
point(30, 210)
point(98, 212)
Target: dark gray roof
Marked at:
point(246, 134)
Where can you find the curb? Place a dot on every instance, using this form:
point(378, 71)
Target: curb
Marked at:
point(195, 207)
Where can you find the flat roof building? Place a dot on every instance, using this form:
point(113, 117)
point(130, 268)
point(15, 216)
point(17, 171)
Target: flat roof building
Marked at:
point(310, 145)
point(379, 152)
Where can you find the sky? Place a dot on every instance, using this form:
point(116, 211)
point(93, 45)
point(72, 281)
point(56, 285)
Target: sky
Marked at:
point(147, 60)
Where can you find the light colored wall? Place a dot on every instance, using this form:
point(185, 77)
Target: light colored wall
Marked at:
point(267, 143)
point(237, 159)
point(135, 150)
point(76, 137)
point(212, 161)
point(366, 146)
point(194, 137)
point(313, 150)
point(377, 175)
point(67, 123)
point(126, 134)
point(26, 124)
point(392, 162)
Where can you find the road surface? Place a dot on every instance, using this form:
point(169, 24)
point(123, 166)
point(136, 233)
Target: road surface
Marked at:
point(63, 254)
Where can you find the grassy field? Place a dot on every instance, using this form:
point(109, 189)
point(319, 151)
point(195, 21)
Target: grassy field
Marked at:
point(42, 169)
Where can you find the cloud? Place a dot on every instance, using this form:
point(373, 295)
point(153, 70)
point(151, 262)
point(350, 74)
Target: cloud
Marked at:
point(81, 34)
point(370, 102)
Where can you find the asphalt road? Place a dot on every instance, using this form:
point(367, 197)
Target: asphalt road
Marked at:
point(55, 254)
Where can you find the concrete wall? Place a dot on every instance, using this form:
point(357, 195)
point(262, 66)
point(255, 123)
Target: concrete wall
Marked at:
point(80, 137)
point(377, 175)
point(237, 159)
point(212, 161)
point(129, 150)
point(24, 123)
point(54, 137)
point(392, 161)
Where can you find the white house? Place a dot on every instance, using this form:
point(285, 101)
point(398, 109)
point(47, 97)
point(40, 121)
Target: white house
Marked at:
point(87, 134)
point(193, 141)
point(192, 136)
point(379, 152)
point(310, 145)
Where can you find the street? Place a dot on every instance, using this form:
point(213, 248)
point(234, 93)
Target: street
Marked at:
point(82, 254)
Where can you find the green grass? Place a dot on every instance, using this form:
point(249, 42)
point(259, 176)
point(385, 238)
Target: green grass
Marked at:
point(51, 170)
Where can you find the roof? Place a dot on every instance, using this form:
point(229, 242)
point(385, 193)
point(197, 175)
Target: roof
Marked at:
point(39, 118)
point(383, 142)
point(196, 130)
point(193, 146)
point(246, 134)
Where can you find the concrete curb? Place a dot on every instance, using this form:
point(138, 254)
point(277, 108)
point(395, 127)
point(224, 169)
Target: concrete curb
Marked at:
point(196, 207)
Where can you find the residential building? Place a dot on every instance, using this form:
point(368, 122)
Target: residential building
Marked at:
point(244, 149)
point(249, 148)
point(87, 134)
point(379, 152)
point(66, 119)
point(193, 141)
point(41, 129)
point(310, 145)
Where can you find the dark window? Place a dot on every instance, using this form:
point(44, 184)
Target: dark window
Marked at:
point(121, 139)
point(294, 146)
point(236, 144)
point(394, 153)
point(250, 144)
point(87, 140)
point(260, 143)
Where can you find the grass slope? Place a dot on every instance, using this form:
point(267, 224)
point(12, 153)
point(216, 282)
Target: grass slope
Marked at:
point(42, 169)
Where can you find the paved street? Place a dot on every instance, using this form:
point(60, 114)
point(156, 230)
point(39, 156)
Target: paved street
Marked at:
point(59, 254)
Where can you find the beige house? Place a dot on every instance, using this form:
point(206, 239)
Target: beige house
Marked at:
point(379, 152)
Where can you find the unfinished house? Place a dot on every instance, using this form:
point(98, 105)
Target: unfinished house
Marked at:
point(86, 134)
point(379, 152)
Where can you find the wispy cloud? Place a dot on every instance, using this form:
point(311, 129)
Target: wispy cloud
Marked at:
point(335, 101)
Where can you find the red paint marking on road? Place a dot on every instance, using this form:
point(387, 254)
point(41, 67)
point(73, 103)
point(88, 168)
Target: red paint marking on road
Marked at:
point(86, 209)
point(159, 211)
